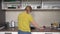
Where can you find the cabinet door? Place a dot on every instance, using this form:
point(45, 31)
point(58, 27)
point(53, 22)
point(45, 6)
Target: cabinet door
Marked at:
point(8, 32)
point(14, 32)
point(11, 32)
point(2, 14)
point(0, 5)
point(2, 32)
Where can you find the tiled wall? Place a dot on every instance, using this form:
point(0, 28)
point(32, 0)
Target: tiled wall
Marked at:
point(41, 17)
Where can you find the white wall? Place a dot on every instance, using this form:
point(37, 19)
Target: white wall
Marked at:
point(47, 17)
point(41, 17)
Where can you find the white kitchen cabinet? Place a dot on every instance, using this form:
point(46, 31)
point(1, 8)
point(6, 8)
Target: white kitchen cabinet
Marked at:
point(51, 4)
point(14, 32)
point(31, 32)
point(45, 32)
point(8, 32)
point(44, 4)
point(22, 4)
point(2, 32)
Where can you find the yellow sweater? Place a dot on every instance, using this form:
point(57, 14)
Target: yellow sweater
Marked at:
point(24, 20)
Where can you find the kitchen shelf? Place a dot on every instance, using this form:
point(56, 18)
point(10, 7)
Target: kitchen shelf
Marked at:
point(32, 10)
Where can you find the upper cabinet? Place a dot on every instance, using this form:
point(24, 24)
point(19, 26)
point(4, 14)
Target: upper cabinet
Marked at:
point(21, 4)
point(10, 4)
point(51, 4)
point(35, 4)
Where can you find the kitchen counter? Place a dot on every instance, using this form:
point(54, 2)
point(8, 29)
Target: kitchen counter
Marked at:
point(10, 29)
point(33, 30)
point(46, 30)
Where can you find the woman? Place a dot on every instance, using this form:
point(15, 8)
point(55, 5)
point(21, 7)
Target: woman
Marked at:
point(24, 20)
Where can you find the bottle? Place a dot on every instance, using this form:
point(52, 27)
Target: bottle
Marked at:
point(12, 25)
point(52, 26)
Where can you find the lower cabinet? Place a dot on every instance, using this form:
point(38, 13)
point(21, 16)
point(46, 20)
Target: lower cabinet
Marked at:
point(2, 32)
point(45, 32)
point(8, 32)
point(31, 32)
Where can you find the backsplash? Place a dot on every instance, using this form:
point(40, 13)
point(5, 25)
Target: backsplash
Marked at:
point(41, 17)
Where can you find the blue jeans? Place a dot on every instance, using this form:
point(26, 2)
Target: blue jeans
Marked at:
point(21, 32)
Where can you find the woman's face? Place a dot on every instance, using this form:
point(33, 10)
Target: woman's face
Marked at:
point(28, 9)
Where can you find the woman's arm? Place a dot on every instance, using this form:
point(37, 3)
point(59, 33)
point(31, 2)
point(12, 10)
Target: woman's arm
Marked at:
point(35, 24)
